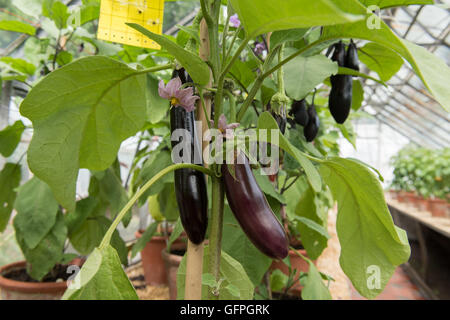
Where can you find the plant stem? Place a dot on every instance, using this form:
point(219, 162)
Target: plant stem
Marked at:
point(232, 101)
point(215, 234)
point(107, 238)
point(156, 68)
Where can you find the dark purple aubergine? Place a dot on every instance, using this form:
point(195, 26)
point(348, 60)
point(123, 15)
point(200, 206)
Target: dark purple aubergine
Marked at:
point(251, 209)
point(299, 112)
point(351, 58)
point(312, 128)
point(340, 99)
point(190, 185)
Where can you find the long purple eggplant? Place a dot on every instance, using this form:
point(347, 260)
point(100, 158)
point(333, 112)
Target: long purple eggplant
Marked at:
point(190, 185)
point(252, 211)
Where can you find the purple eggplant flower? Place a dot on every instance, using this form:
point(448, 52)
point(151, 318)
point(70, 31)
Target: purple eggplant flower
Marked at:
point(259, 48)
point(177, 96)
point(234, 20)
point(225, 130)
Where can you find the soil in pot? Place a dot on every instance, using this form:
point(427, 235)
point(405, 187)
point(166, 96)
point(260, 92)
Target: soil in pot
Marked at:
point(172, 261)
point(16, 284)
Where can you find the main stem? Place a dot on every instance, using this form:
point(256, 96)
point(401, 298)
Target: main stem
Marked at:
point(215, 234)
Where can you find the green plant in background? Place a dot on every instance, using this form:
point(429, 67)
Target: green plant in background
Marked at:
point(424, 171)
point(81, 123)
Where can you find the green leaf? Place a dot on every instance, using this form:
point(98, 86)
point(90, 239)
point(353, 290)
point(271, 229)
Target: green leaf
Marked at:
point(278, 280)
point(101, 278)
point(282, 36)
point(348, 71)
point(36, 211)
point(81, 113)
point(19, 65)
point(367, 234)
point(314, 288)
point(64, 57)
point(196, 67)
point(263, 16)
point(90, 234)
point(157, 106)
point(9, 180)
point(230, 270)
point(267, 187)
point(57, 11)
point(242, 72)
point(177, 230)
point(358, 95)
point(17, 26)
point(394, 3)
point(267, 122)
point(380, 59)
point(84, 208)
point(144, 239)
point(32, 8)
point(49, 251)
point(303, 74)
point(111, 191)
point(236, 244)
point(10, 138)
point(433, 71)
point(312, 230)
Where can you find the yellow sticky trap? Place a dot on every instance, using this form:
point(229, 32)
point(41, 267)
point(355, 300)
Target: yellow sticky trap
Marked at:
point(115, 13)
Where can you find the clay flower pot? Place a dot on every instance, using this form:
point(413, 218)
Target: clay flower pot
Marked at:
point(152, 261)
point(21, 290)
point(438, 207)
point(297, 263)
point(422, 204)
point(172, 261)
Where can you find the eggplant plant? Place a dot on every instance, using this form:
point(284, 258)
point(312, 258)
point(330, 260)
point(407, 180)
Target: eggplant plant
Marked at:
point(247, 61)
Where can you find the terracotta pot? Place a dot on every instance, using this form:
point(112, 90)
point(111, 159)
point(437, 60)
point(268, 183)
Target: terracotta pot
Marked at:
point(20, 290)
point(438, 207)
point(393, 194)
point(422, 204)
point(172, 262)
point(297, 263)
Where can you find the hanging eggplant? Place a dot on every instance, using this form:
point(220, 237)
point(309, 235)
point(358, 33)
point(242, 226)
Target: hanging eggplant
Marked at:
point(312, 128)
point(299, 112)
point(251, 209)
point(190, 184)
point(351, 58)
point(340, 100)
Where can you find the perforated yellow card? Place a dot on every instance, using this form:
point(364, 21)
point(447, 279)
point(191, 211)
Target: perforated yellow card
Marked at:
point(115, 13)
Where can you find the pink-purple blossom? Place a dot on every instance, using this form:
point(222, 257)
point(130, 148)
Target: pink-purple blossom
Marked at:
point(178, 96)
point(226, 130)
point(259, 48)
point(234, 20)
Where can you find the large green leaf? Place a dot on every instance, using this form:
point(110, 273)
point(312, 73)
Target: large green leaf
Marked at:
point(314, 288)
point(101, 278)
point(49, 251)
point(19, 65)
point(263, 16)
point(380, 59)
point(196, 67)
point(17, 26)
point(235, 284)
point(10, 138)
point(237, 245)
point(267, 122)
point(9, 180)
point(312, 230)
point(433, 71)
point(158, 106)
point(84, 208)
point(81, 113)
point(36, 211)
point(303, 74)
point(394, 3)
point(366, 231)
point(282, 36)
point(90, 234)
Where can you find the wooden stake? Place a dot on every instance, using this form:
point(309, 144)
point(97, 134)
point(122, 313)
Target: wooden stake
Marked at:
point(194, 258)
